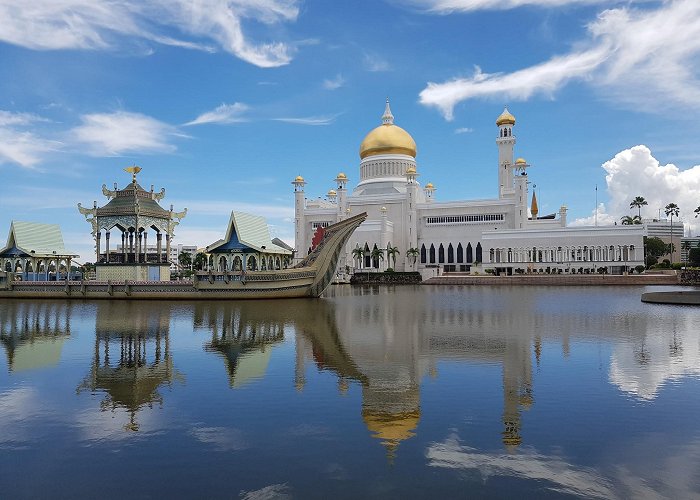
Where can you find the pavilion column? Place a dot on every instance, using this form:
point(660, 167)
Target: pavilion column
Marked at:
point(131, 242)
point(159, 246)
point(123, 247)
point(145, 247)
point(139, 239)
point(107, 245)
point(97, 245)
point(167, 247)
point(68, 263)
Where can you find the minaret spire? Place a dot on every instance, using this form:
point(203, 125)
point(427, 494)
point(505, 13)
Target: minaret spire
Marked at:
point(387, 117)
point(533, 207)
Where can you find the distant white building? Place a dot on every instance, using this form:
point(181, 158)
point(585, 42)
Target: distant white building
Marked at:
point(506, 233)
point(663, 229)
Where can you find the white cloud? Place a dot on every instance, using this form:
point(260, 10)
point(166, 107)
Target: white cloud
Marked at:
point(334, 83)
point(225, 113)
point(112, 134)
point(464, 130)
point(603, 218)
point(8, 118)
point(224, 207)
point(221, 438)
point(635, 172)
point(108, 24)
point(375, 63)
point(309, 120)
point(448, 6)
point(641, 57)
point(24, 148)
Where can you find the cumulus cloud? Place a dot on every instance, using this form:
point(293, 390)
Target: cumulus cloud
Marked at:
point(112, 134)
point(599, 215)
point(637, 56)
point(109, 24)
point(334, 83)
point(635, 172)
point(225, 113)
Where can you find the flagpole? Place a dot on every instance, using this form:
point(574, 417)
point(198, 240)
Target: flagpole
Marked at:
point(596, 205)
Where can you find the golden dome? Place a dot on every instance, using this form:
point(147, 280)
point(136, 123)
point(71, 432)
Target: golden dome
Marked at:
point(332, 193)
point(506, 118)
point(341, 175)
point(520, 161)
point(298, 178)
point(391, 428)
point(387, 138)
point(429, 186)
point(411, 170)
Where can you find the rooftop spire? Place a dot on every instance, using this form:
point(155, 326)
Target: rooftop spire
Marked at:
point(533, 207)
point(387, 117)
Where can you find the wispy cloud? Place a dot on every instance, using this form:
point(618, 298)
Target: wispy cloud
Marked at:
point(309, 120)
point(225, 113)
point(642, 57)
point(21, 146)
point(463, 130)
point(449, 6)
point(334, 83)
point(113, 134)
point(375, 63)
point(224, 207)
point(111, 24)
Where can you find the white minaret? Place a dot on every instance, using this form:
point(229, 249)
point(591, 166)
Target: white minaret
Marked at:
point(299, 223)
point(520, 193)
point(505, 142)
point(341, 181)
point(429, 192)
point(410, 223)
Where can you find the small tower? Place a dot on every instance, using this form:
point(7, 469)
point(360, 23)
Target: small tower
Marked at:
point(562, 215)
point(429, 192)
point(299, 223)
point(332, 195)
point(341, 180)
point(505, 141)
point(534, 210)
point(520, 194)
point(387, 117)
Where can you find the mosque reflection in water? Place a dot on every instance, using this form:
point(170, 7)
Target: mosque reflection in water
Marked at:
point(386, 343)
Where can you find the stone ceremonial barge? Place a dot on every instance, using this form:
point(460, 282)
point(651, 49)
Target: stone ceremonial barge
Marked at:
point(245, 264)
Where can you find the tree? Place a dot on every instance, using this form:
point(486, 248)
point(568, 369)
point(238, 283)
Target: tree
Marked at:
point(697, 212)
point(638, 203)
point(413, 253)
point(694, 256)
point(358, 254)
point(200, 260)
point(685, 245)
point(185, 260)
point(673, 211)
point(377, 255)
point(392, 252)
point(655, 246)
point(628, 220)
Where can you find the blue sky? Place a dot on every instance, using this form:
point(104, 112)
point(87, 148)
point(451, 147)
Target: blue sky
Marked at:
point(223, 103)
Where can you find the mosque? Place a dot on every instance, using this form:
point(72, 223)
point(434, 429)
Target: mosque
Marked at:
point(407, 229)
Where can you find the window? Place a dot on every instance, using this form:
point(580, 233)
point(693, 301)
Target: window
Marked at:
point(464, 219)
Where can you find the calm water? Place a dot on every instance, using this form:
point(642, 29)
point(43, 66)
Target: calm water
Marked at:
point(384, 393)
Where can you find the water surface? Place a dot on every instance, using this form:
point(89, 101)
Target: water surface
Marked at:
point(370, 392)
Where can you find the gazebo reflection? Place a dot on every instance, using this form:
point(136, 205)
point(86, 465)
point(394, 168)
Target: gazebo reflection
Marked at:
point(132, 358)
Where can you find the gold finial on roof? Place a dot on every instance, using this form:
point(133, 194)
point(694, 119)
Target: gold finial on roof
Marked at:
point(133, 170)
point(533, 207)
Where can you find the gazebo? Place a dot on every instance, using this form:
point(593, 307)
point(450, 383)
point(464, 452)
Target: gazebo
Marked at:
point(35, 252)
point(133, 212)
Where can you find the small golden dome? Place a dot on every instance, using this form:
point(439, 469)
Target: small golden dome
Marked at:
point(429, 186)
point(341, 175)
point(387, 138)
point(505, 118)
point(298, 178)
point(520, 161)
point(411, 170)
point(332, 193)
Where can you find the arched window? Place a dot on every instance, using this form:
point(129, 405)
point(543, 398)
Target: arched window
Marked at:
point(460, 254)
point(222, 263)
point(368, 257)
point(237, 263)
point(375, 260)
point(470, 253)
point(450, 254)
point(441, 254)
point(432, 253)
point(252, 264)
point(423, 257)
point(478, 252)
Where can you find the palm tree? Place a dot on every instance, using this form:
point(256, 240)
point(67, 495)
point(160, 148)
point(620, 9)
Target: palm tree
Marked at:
point(377, 255)
point(200, 260)
point(697, 211)
point(628, 220)
point(413, 253)
point(392, 252)
point(358, 254)
point(672, 210)
point(184, 259)
point(638, 203)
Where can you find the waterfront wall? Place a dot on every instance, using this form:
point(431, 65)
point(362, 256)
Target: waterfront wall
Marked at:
point(690, 277)
point(410, 278)
point(557, 280)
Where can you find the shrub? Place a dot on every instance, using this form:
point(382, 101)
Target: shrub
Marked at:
point(490, 271)
point(389, 270)
point(676, 265)
point(639, 269)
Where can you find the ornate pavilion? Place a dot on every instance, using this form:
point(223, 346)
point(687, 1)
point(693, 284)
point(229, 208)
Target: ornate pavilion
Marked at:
point(132, 212)
point(35, 252)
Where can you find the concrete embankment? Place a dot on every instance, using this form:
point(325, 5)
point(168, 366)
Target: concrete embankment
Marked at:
point(556, 280)
point(689, 297)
